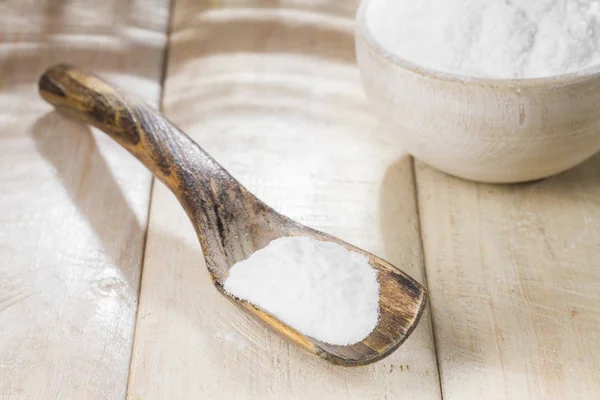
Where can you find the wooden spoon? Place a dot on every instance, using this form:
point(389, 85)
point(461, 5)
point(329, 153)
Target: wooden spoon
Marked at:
point(231, 223)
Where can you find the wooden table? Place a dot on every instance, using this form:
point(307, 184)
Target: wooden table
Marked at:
point(103, 289)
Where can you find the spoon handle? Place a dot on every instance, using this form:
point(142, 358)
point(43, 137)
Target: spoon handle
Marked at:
point(164, 149)
point(202, 186)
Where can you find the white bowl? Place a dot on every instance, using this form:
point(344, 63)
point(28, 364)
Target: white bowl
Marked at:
point(489, 130)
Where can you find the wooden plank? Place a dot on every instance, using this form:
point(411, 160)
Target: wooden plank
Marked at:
point(513, 277)
point(74, 205)
point(274, 95)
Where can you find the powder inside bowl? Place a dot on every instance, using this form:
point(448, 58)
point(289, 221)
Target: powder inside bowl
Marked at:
point(490, 38)
point(318, 288)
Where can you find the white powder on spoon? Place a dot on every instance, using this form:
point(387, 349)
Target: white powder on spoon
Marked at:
point(318, 288)
point(490, 38)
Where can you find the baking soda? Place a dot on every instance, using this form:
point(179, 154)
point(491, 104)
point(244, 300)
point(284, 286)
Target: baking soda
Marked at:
point(490, 38)
point(318, 288)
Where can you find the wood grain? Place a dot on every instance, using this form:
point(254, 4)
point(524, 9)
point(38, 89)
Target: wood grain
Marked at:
point(74, 205)
point(282, 83)
point(231, 223)
point(513, 279)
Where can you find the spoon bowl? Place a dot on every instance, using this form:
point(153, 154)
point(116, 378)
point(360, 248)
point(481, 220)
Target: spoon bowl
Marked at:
point(230, 222)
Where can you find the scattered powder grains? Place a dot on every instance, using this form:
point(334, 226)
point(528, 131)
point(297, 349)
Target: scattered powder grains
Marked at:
point(490, 38)
point(318, 288)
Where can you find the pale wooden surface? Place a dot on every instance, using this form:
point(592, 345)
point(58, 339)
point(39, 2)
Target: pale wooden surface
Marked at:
point(278, 102)
point(514, 280)
point(73, 205)
point(274, 95)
